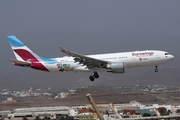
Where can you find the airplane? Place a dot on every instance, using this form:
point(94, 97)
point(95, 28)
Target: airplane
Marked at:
point(109, 62)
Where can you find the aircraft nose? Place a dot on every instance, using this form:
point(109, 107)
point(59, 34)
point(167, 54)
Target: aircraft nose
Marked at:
point(171, 57)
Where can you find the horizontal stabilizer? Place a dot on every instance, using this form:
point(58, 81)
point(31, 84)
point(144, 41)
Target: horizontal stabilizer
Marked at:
point(20, 63)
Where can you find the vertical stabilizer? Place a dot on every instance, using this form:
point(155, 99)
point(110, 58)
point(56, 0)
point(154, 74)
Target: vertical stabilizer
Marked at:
point(26, 57)
point(20, 50)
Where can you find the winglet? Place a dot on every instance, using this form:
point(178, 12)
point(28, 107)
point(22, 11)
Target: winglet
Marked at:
point(68, 52)
point(62, 49)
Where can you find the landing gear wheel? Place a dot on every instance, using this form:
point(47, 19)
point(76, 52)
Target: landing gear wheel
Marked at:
point(156, 70)
point(91, 78)
point(96, 75)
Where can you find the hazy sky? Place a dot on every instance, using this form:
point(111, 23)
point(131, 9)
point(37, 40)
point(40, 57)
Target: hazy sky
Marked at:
point(46, 24)
point(105, 16)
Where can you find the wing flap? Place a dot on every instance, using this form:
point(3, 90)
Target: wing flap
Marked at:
point(85, 60)
point(20, 63)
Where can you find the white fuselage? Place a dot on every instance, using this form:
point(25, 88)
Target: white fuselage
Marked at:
point(130, 59)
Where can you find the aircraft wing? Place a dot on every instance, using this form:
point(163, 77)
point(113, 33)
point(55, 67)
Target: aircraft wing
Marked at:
point(85, 60)
point(20, 63)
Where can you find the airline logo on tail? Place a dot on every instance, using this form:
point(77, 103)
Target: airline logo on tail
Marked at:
point(25, 57)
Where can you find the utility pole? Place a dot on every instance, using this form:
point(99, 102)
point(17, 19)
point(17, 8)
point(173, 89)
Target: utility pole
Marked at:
point(94, 106)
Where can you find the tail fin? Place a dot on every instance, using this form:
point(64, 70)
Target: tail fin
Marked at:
point(25, 57)
point(20, 50)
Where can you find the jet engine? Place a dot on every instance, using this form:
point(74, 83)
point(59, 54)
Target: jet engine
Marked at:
point(116, 67)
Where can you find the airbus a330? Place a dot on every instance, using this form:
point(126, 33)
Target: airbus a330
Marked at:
point(109, 62)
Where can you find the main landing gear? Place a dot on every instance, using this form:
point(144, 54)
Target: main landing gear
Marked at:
point(95, 75)
point(156, 69)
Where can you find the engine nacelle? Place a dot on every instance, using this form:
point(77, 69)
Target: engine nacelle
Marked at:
point(116, 67)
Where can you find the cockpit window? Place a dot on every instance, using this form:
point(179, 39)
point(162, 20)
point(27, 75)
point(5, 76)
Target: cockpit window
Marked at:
point(167, 53)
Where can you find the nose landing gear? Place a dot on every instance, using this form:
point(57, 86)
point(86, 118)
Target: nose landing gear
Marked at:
point(156, 69)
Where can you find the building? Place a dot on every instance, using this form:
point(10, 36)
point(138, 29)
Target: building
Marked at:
point(9, 100)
